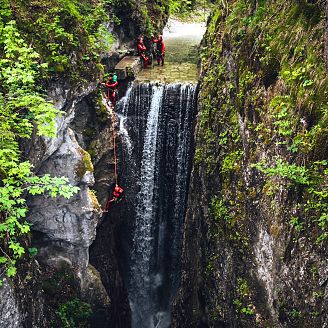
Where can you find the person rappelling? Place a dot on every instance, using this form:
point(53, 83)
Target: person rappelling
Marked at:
point(160, 49)
point(111, 85)
point(118, 191)
point(115, 198)
point(142, 51)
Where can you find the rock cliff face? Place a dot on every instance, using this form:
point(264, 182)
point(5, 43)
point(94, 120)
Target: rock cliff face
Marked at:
point(9, 311)
point(63, 230)
point(255, 234)
point(66, 227)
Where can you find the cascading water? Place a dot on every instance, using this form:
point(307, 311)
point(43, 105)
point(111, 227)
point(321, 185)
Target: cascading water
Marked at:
point(122, 118)
point(156, 123)
point(143, 236)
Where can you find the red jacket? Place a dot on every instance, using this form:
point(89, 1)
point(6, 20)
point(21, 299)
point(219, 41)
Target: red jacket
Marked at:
point(141, 48)
point(118, 191)
point(162, 47)
point(111, 85)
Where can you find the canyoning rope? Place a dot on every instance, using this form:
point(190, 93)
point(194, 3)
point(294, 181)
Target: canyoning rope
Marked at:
point(111, 110)
point(111, 107)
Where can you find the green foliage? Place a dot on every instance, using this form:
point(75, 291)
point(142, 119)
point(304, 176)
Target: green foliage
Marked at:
point(293, 172)
point(242, 287)
point(281, 108)
point(315, 196)
point(231, 161)
point(264, 79)
point(296, 223)
point(22, 103)
point(295, 314)
point(23, 110)
point(211, 264)
point(146, 16)
point(244, 297)
point(74, 313)
point(220, 210)
point(299, 75)
point(71, 34)
point(246, 80)
point(247, 310)
point(180, 6)
point(62, 293)
point(33, 251)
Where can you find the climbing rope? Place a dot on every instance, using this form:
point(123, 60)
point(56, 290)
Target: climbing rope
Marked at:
point(111, 107)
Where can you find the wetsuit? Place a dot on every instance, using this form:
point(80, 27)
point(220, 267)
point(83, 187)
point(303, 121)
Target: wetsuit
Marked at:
point(142, 53)
point(160, 50)
point(117, 195)
point(111, 85)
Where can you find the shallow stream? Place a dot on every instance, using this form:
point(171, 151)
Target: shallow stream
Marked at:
point(181, 57)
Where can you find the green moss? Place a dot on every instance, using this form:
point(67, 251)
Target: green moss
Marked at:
point(101, 110)
point(232, 161)
point(94, 199)
point(70, 35)
point(276, 80)
point(84, 165)
point(74, 313)
point(242, 287)
point(97, 279)
point(59, 283)
point(263, 96)
point(92, 152)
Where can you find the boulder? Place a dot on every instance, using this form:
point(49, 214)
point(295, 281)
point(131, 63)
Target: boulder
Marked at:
point(129, 66)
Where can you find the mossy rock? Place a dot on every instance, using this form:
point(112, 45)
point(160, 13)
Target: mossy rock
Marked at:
point(84, 165)
point(94, 199)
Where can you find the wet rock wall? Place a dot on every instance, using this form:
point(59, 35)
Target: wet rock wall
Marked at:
point(253, 254)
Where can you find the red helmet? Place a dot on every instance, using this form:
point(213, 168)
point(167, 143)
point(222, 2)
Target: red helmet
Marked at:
point(160, 37)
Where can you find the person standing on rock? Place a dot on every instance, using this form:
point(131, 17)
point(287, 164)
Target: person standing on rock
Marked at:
point(142, 51)
point(160, 49)
point(111, 85)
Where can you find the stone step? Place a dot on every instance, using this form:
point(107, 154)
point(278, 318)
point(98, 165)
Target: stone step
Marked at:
point(129, 66)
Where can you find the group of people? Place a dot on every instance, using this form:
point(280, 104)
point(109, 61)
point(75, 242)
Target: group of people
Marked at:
point(111, 93)
point(159, 50)
point(112, 82)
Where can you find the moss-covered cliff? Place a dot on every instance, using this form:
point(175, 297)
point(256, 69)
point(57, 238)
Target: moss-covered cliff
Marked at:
point(256, 229)
point(72, 36)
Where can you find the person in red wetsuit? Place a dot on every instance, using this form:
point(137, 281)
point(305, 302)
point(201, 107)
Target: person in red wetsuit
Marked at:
point(111, 85)
point(116, 197)
point(160, 49)
point(142, 51)
point(117, 193)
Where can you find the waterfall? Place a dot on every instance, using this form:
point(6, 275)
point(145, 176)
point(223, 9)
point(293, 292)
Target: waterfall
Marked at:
point(143, 237)
point(156, 124)
point(122, 119)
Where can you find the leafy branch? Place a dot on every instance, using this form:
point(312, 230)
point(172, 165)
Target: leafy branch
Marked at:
point(24, 108)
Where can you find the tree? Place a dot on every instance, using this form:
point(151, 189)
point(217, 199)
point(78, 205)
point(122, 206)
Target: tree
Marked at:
point(23, 108)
